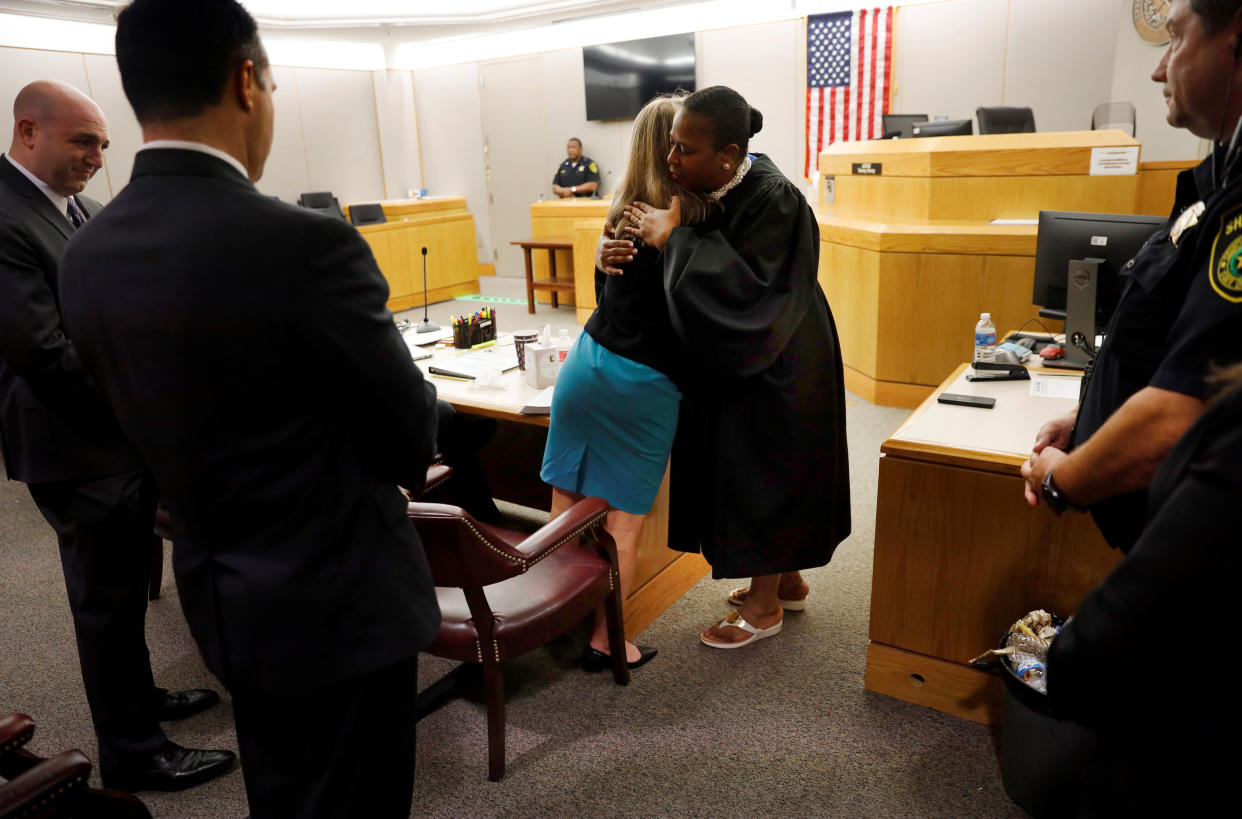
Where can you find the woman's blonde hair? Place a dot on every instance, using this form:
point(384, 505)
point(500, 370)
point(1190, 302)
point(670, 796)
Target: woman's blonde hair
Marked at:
point(646, 176)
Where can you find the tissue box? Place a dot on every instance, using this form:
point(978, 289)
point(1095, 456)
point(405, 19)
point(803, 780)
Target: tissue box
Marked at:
point(542, 365)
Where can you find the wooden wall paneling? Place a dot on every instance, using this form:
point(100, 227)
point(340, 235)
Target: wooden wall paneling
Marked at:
point(850, 279)
point(653, 551)
point(986, 198)
point(959, 555)
point(885, 198)
point(381, 248)
point(556, 218)
point(948, 687)
point(1157, 186)
point(586, 233)
point(930, 303)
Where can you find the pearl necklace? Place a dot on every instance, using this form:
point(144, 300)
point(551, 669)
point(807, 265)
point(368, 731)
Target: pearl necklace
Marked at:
point(716, 195)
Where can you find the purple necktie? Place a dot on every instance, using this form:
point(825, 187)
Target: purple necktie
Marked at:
point(75, 213)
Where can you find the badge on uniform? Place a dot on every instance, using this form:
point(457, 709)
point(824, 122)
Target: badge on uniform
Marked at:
point(1225, 272)
point(1188, 219)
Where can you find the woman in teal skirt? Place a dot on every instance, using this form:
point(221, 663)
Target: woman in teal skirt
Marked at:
point(615, 408)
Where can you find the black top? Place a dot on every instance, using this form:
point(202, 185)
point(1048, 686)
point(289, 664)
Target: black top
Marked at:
point(760, 473)
point(247, 350)
point(1180, 313)
point(632, 317)
point(572, 173)
point(1147, 659)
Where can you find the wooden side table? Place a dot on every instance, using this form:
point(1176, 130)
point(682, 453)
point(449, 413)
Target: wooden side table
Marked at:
point(552, 283)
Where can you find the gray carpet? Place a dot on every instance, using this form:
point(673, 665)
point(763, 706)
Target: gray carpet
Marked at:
point(781, 728)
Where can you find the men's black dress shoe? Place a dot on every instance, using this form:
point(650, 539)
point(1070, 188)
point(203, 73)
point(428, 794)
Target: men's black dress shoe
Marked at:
point(181, 704)
point(593, 660)
point(171, 768)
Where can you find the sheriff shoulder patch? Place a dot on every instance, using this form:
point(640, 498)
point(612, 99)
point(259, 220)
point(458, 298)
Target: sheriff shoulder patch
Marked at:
point(594, 168)
point(1225, 271)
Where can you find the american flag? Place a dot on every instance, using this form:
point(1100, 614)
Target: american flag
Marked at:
point(849, 64)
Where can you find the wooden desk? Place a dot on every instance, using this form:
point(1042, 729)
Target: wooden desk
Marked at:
point(446, 228)
point(555, 219)
point(958, 553)
point(551, 283)
point(1157, 185)
point(909, 260)
point(663, 574)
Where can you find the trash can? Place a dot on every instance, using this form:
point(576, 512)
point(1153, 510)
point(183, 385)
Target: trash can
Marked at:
point(1042, 757)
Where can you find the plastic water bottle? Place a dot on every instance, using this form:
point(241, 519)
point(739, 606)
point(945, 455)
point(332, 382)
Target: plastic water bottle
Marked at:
point(563, 343)
point(1032, 672)
point(985, 339)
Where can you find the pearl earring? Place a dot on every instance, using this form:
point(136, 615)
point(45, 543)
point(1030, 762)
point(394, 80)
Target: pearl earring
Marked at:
point(726, 166)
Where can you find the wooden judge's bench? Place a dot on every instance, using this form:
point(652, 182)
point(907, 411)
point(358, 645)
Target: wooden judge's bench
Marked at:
point(909, 259)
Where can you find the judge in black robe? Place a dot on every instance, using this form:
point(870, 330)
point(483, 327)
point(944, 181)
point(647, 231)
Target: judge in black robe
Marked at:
point(759, 476)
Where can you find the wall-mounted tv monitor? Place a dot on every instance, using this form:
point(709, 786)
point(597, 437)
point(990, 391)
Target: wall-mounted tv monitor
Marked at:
point(622, 77)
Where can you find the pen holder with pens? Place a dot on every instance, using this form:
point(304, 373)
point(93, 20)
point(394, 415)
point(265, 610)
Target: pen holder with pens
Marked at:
point(475, 329)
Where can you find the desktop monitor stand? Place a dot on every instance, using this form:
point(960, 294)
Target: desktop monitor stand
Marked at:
point(1080, 296)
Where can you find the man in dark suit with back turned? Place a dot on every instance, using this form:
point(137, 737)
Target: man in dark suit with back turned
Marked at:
point(61, 440)
point(247, 350)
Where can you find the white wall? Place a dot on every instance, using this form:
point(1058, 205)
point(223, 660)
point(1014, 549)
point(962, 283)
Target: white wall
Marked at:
point(766, 64)
point(1060, 57)
point(20, 66)
point(327, 130)
point(450, 132)
point(398, 132)
point(606, 142)
point(1134, 60)
point(951, 58)
point(1060, 60)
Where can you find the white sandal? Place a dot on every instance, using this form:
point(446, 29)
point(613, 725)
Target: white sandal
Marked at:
point(787, 605)
point(735, 619)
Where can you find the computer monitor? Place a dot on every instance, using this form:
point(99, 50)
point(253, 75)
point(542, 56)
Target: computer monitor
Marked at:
point(900, 126)
point(944, 127)
point(1091, 249)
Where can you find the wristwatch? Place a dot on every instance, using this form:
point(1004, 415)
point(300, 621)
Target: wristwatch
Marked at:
point(573, 188)
point(1055, 499)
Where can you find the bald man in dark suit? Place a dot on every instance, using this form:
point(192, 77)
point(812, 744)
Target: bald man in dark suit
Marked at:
point(60, 439)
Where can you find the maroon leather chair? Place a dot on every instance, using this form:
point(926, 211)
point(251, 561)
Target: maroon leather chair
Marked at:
point(504, 593)
point(56, 787)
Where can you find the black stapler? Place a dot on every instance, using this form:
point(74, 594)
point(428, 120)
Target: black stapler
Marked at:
point(989, 371)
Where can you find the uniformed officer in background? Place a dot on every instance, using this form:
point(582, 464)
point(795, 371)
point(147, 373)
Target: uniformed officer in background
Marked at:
point(1180, 314)
point(578, 175)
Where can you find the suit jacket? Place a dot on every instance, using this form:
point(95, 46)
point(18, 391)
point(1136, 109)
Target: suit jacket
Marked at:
point(247, 350)
point(53, 424)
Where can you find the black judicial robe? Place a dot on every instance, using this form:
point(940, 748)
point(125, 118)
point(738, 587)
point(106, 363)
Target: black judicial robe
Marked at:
point(759, 475)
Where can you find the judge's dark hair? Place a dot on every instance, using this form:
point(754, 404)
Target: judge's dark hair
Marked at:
point(731, 118)
point(1216, 13)
point(574, 139)
point(176, 57)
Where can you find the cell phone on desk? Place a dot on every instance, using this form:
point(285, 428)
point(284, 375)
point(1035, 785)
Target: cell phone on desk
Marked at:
point(980, 401)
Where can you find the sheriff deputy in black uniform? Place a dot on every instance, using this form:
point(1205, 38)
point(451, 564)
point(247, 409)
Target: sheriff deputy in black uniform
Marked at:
point(1180, 314)
point(578, 175)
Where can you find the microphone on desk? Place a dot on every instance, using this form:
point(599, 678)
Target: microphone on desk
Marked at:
point(426, 326)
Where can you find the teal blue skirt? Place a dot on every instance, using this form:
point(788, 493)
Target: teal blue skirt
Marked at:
point(612, 427)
